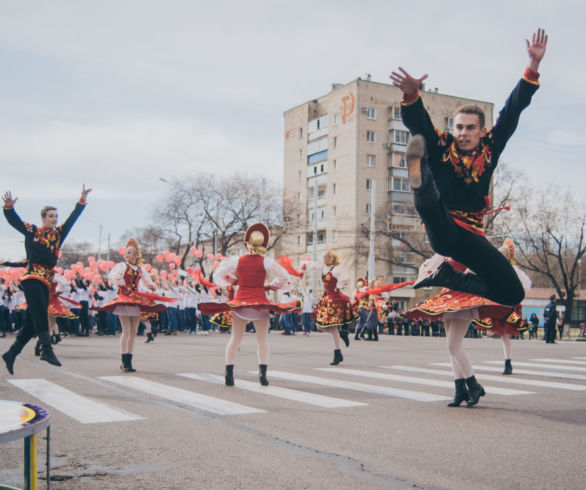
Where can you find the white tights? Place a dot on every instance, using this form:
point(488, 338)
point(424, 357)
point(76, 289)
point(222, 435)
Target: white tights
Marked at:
point(455, 331)
point(129, 331)
point(336, 336)
point(507, 348)
point(237, 332)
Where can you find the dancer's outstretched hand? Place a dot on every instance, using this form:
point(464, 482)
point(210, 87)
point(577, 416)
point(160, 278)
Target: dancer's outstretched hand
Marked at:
point(8, 201)
point(407, 83)
point(536, 48)
point(84, 193)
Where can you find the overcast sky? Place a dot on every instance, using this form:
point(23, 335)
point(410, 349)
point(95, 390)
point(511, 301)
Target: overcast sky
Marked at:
point(118, 93)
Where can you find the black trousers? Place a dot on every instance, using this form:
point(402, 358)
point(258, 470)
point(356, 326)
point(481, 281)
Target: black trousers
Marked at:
point(36, 320)
point(495, 277)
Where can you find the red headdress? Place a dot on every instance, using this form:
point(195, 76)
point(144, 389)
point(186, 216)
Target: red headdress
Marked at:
point(258, 227)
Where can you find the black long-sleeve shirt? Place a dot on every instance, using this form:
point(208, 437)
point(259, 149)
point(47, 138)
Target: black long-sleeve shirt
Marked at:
point(42, 244)
point(462, 180)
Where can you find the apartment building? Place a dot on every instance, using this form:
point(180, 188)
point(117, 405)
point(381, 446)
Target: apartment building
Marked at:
point(341, 148)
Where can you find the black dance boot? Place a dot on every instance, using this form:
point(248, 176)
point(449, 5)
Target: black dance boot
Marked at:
point(47, 353)
point(461, 393)
point(447, 277)
point(344, 337)
point(38, 348)
point(150, 338)
point(57, 338)
point(262, 374)
point(475, 391)
point(508, 367)
point(130, 368)
point(229, 378)
point(10, 355)
point(338, 357)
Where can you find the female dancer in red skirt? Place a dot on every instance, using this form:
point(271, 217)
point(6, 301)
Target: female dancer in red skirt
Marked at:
point(334, 310)
point(458, 310)
point(250, 302)
point(130, 302)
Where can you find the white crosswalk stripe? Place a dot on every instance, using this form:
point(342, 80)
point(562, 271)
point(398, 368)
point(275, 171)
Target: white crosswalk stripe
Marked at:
point(349, 385)
point(531, 372)
point(184, 397)
point(422, 381)
point(545, 366)
point(500, 379)
point(76, 406)
point(276, 391)
point(562, 361)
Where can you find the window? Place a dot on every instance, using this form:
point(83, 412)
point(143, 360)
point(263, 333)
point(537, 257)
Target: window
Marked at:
point(317, 157)
point(300, 133)
point(371, 136)
point(321, 236)
point(335, 235)
point(367, 209)
point(317, 145)
point(299, 196)
point(370, 160)
point(335, 164)
point(400, 137)
point(321, 168)
point(399, 279)
point(298, 240)
point(300, 154)
point(401, 184)
point(335, 118)
point(321, 192)
point(449, 124)
point(335, 141)
point(315, 170)
point(299, 175)
point(334, 188)
point(368, 184)
point(334, 210)
point(370, 113)
point(404, 210)
point(397, 112)
point(321, 213)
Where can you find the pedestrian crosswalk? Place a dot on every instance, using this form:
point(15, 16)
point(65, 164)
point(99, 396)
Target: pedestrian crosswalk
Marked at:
point(428, 383)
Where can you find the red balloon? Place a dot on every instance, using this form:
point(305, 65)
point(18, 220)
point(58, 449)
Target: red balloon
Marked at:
point(121, 250)
point(199, 254)
point(164, 274)
point(190, 270)
point(91, 259)
point(159, 258)
point(210, 257)
point(172, 265)
point(192, 251)
point(216, 265)
point(219, 256)
point(148, 267)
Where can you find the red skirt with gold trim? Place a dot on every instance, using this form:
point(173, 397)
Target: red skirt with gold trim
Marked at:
point(57, 308)
point(145, 301)
point(223, 319)
point(211, 308)
point(334, 312)
point(449, 301)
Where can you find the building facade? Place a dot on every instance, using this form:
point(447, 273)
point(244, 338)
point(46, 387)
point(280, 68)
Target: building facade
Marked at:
point(341, 148)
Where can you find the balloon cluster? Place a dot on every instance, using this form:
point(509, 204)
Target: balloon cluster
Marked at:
point(95, 270)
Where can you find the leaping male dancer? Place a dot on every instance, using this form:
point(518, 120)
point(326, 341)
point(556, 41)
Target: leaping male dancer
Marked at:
point(42, 252)
point(450, 177)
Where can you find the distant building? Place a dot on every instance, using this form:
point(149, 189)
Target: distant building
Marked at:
point(339, 147)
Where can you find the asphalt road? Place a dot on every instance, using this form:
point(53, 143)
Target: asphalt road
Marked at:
point(378, 420)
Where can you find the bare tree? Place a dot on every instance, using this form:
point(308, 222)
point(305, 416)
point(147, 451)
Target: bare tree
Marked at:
point(548, 226)
point(212, 213)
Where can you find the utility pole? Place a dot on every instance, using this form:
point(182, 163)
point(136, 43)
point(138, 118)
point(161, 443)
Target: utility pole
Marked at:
point(371, 250)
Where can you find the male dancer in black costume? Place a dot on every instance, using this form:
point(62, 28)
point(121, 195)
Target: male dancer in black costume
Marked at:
point(42, 252)
point(450, 176)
